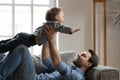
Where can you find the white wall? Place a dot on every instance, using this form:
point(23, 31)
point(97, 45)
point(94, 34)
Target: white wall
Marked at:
point(78, 14)
point(113, 34)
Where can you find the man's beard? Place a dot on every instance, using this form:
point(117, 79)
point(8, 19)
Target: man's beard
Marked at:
point(77, 63)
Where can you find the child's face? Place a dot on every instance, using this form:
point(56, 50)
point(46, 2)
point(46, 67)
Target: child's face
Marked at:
point(60, 17)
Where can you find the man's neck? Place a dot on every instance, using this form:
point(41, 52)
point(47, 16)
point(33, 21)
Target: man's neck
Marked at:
point(83, 69)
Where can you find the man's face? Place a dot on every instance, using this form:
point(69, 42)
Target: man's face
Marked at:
point(81, 59)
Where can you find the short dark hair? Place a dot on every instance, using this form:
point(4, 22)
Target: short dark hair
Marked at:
point(93, 59)
point(51, 13)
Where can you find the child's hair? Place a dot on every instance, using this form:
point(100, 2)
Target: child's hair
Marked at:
point(51, 13)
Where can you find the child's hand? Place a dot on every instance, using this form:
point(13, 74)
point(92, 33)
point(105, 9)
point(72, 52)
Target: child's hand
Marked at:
point(75, 30)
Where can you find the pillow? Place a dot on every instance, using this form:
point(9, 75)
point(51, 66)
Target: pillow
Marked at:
point(68, 57)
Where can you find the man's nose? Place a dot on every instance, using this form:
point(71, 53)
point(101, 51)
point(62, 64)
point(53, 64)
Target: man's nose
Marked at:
point(79, 55)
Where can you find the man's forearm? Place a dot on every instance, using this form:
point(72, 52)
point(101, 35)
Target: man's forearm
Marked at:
point(45, 51)
point(54, 53)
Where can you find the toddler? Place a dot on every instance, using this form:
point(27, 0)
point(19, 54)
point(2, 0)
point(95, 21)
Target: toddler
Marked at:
point(54, 17)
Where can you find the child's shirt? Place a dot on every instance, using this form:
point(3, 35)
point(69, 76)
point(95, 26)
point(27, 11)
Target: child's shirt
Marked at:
point(58, 27)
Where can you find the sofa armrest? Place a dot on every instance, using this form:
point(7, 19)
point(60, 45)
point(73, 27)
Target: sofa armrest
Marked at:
point(103, 73)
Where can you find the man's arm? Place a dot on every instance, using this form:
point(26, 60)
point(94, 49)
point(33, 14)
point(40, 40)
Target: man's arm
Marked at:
point(45, 51)
point(59, 65)
point(54, 53)
point(46, 57)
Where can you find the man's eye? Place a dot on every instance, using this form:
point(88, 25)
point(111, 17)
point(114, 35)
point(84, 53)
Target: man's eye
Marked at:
point(83, 55)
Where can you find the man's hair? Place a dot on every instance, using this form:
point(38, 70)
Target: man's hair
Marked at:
point(93, 59)
point(51, 13)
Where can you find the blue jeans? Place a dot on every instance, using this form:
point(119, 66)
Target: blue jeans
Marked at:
point(18, 63)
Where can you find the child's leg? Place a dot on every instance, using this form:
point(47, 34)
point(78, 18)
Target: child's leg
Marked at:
point(20, 38)
point(10, 44)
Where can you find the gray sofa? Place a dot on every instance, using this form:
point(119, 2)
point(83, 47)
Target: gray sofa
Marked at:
point(97, 73)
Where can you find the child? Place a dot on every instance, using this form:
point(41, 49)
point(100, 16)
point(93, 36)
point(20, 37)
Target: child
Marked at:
point(54, 17)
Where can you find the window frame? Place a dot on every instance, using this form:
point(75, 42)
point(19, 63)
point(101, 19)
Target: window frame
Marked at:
point(13, 5)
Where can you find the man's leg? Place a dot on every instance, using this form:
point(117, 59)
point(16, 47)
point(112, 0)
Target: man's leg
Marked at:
point(18, 61)
point(26, 69)
point(10, 63)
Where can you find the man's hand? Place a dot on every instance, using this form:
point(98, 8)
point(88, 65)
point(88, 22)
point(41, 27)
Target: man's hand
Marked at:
point(51, 32)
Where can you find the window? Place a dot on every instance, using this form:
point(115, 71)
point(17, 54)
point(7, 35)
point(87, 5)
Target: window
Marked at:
point(22, 16)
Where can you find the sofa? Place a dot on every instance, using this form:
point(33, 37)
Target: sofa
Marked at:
point(100, 72)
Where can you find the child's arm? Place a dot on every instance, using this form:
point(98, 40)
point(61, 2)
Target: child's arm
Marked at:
point(68, 30)
point(20, 38)
point(62, 28)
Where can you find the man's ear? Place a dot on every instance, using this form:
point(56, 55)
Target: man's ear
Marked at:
point(89, 64)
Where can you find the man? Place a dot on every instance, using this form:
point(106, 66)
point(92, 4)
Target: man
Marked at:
point(20, 65)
